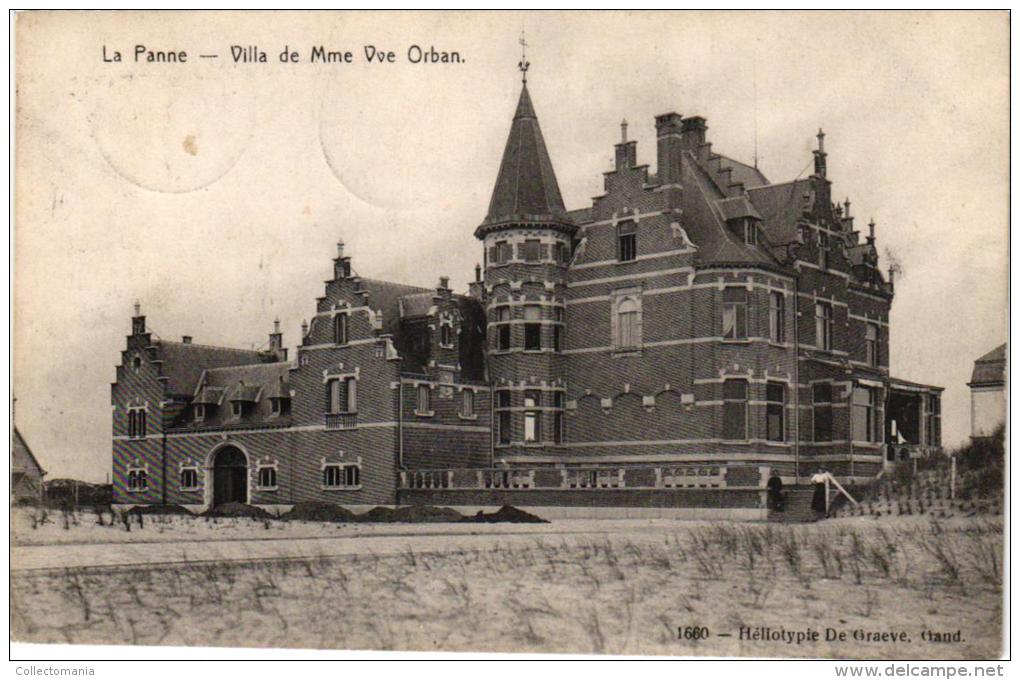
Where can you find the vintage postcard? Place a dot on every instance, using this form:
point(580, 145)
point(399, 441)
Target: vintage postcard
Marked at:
point(617, 333)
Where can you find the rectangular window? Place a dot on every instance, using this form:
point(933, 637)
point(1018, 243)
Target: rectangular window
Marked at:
point(341, 476)
point(532, 327)
point(563, 253)
point(750, 232)
point(467, 404)
point(423, 403)
point(199, 412)
point(137, 423)
point(237, 408)
point(735, 409)
point(775, 411)
point(871, 344)
point(502, 252)
point(340, 329)
point(532, 417)
point(558, 329)
point(734, 319)
point(627, 242)
point(558, 417)
point(821, 396)
point(267, 477)
point(823, 249)
point(189, 478)
point(532, 250)
point(280, 406)
point(865, 401)
point(823, 325)
point(503, 318)
point(446, 335)
point(777, 317)
point(628, 324)
point(138, 479)
point(503, 417)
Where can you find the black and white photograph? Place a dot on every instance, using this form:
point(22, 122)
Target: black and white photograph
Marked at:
point(601, 333)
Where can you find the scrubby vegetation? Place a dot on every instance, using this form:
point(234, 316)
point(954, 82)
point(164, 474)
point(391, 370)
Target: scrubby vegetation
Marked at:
point(616, 593)
point(929, 491)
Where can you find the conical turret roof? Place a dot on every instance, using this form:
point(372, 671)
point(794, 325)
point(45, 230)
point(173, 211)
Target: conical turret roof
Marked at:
point(526, 190)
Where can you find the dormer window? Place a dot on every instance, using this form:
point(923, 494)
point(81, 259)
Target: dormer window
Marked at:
point(279, 406)
point(750, 232)
point(237, 408)
point(199, 412)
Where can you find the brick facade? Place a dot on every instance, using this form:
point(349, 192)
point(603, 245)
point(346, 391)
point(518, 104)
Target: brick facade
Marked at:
point(698, 319)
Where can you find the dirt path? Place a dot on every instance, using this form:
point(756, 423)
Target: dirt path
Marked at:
point(159, 553)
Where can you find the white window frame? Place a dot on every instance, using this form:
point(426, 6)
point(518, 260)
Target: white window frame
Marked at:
point(134, 431)
point(274, 466)
point(635, 318)
point(341, 484)
point(198, 478)
point(423, 389)
point(133, 472)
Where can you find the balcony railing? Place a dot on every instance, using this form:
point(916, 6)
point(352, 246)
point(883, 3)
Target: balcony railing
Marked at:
point(342, 421)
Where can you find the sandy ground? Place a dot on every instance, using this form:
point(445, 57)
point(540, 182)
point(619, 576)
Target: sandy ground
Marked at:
point(626, 587)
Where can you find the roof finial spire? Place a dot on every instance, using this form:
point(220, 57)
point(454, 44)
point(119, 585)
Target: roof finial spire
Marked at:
point(821, 140)
point(138, 308)
point(523, 64)
point(623, 130)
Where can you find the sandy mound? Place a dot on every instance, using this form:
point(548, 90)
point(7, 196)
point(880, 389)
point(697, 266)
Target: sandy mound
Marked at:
point(161, 510)
point(320, 512)
point(507, 513)
point(237, 510)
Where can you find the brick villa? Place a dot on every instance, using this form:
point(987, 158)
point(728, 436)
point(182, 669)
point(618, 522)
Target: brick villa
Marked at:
point(658, 352)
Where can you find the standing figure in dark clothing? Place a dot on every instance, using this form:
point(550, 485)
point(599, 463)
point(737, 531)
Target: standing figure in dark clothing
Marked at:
point(775, 487)
point(819, 501)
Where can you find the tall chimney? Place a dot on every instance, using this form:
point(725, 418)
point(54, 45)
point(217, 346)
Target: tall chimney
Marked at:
point(276, 341)
point(186, 339)
point(138, 321)
point(444, 283)
point(478, 273)
point(342, 263)
point(693, 133)
point(871, 232)
point(667, 132)
point(820, 154)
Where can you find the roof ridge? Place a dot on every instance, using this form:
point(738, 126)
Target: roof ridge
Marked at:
point(205, 346)
point(266, 364)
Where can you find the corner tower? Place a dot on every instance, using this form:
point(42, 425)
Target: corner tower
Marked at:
point(528, 240)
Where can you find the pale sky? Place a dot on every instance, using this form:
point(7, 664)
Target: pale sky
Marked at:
point(215, 192)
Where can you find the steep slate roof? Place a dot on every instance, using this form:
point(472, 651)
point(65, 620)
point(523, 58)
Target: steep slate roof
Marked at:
point(749, 175)
point(991, 368)
point(417, 304)
point(717, 244)
point(385, 296)
point(183, 363)
point(526, 188)
point(781, 206)
point(22, 458)
point(246, 382)
point(738, 206)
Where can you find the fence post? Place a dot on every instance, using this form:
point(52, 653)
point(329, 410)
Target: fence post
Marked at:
point(952, 479)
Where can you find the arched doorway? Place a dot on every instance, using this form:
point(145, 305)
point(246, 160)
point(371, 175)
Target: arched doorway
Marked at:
point(230, 476)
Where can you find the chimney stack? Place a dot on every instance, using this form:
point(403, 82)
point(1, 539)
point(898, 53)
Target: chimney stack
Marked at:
point(304, 328)
point(444, 283)
point(342, 263)
point(276, 341)
point(478, 273)
point(871, 232)
point(693, 133)
point(186, 339)
point(820, 154)
point(667, 132)
point(138, 321)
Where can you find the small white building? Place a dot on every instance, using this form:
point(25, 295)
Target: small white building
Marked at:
point(988, 393)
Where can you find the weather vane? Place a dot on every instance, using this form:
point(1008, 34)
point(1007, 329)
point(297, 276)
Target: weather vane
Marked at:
point(523, 64)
